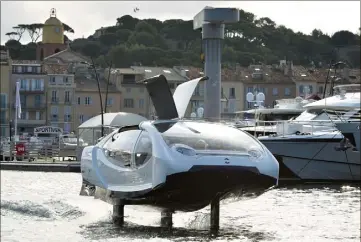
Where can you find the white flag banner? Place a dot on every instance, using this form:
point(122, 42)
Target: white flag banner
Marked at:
point(17, 100)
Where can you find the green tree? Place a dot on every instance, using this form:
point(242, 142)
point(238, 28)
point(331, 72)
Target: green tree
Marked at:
point(127, 22)
point(91, 49)
point(142, 38)
point(108, 39)
point(174, 42)
point(143, 26)
point(343, 38)
point(123, 35)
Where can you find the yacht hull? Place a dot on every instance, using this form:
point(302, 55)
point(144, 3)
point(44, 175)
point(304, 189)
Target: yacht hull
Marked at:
point(314, 159)
point(351, 130)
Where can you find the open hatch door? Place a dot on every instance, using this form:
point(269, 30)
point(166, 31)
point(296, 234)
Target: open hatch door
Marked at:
point(168, 106)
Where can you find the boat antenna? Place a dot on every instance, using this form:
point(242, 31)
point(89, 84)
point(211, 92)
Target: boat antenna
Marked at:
point(336, 66)
point(328, 72)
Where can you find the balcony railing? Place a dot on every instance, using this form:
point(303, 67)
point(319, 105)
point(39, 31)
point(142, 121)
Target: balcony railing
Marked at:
point(31, 90)
point(32, 121)
point(67, 118)
point(54, 100)
point(68, 101)
point(54, 118)
point(31, 106)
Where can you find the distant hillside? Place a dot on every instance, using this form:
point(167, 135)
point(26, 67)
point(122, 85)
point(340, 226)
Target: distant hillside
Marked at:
point(174, 42)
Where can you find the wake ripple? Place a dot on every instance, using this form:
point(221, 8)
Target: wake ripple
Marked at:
point(50, 210)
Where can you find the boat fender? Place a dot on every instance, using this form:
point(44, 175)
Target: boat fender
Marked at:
point(297, 133)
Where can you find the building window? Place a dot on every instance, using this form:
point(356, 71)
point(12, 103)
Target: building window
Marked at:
point(128, 89)
point(67, 96)
point(65, 80)
point(81, 118)
point(300, 89)
point(79, 100)
point(263, 90)
point(54, 110)
point(67, 118)
point(128, 78)
point(287, 91)
point(24, 115)
point(310, 88)
point(232, 106)
point(22, 100)
point(196, 91)
point(67, 109)
point(3, 100)
point(320, 89)
point(54, 98)
point(37, 115)
point(37, 100)
point(232, 93)
point(38, 85)
point(88, 100)
point(24, 84)
point(109, 101)
point(201, 89)
point(2, 117)
point(275, 91)
point(128, 103)
point(141, 103)
point(19, 69)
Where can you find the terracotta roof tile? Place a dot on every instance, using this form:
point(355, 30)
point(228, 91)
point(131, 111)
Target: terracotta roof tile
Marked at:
point(56, 69)
point(26, 62)
point(86, 84)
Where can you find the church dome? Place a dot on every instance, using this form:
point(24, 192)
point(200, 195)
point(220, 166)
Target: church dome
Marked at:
point(53, 21)
point(53, 30)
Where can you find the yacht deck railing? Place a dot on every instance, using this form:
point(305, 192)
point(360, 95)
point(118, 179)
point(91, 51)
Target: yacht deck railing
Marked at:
point(281, 128)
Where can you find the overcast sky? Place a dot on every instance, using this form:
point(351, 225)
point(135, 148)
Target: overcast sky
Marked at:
point(85, 17)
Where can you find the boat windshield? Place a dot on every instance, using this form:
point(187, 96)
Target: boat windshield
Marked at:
point(71, 140)
point(322, 115)
point(207, 136)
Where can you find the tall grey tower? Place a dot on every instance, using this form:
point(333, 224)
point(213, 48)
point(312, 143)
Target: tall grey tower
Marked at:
point(212, 22)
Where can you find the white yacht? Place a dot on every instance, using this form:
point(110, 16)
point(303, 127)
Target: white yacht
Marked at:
point(307, 147)
point(265, 119)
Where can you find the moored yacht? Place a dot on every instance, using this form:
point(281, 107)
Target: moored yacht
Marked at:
point(265, 119)
point(307, 147)
point(351, 131)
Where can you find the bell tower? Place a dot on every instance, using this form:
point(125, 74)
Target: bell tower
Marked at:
point(53, 37)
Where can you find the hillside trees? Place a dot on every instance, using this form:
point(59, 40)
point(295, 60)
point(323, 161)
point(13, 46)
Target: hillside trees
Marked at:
point(174, 42)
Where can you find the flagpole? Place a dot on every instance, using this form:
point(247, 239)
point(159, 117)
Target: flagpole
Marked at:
point(17, 106)
point(15, 123)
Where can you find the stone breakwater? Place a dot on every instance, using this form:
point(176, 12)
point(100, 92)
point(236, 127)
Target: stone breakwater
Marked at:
point(41, 167)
